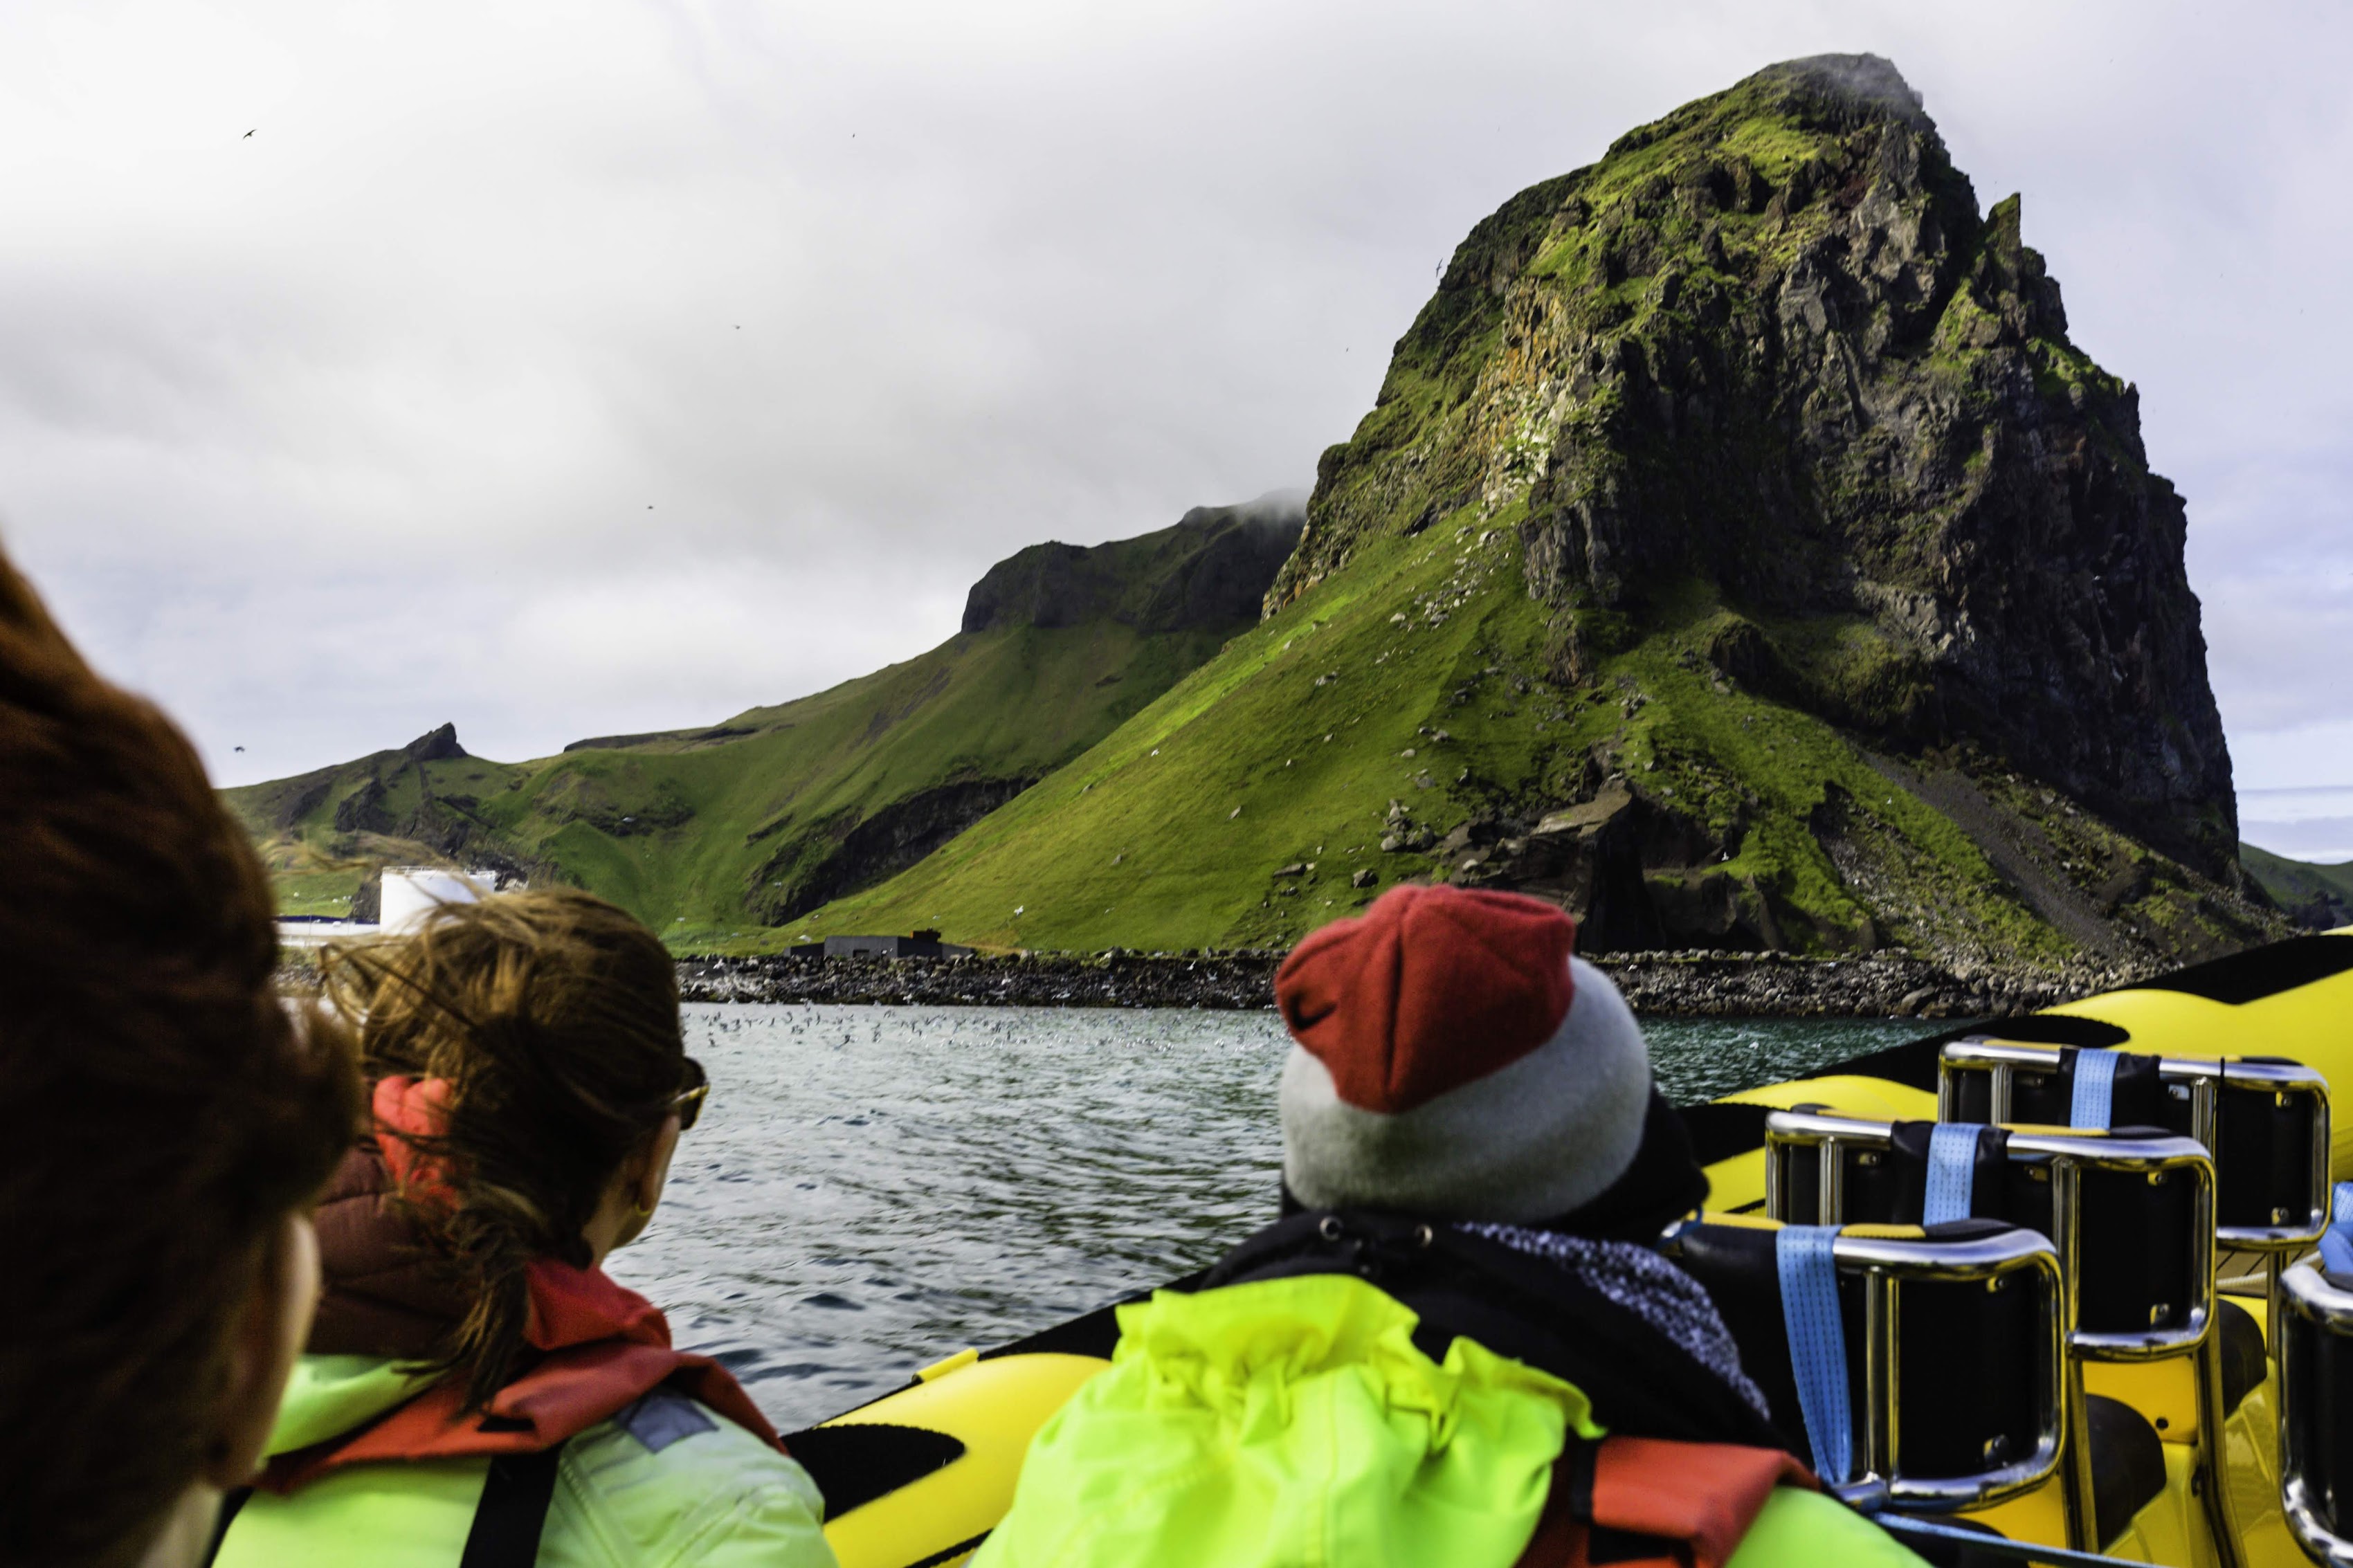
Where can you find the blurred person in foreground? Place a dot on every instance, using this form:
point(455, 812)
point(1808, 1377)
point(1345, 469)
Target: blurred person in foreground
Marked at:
point(476, 1389)
point(1460, 1345)
point(168, 1124)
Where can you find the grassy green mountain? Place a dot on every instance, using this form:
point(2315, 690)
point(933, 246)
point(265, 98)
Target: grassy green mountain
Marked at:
point(2320, 897)
point(746, 824)
point(1738, 552)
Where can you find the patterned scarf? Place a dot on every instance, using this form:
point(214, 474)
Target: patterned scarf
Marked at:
point(1637, 1279)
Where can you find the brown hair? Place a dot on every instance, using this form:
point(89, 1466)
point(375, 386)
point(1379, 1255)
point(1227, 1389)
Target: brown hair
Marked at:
point(164, 1112)
point(554, 1016)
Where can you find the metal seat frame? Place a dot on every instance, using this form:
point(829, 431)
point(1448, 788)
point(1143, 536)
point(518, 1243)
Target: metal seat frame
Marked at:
point(2200, 1080)
point(1887, 1265)
point(2305, 1293)
point(2066, 1155)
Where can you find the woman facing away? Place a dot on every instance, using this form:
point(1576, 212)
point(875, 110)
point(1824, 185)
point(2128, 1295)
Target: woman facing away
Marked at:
point(475, 1389)
point(168, 1125)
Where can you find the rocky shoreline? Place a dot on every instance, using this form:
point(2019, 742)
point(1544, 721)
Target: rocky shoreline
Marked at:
point(1686, 984)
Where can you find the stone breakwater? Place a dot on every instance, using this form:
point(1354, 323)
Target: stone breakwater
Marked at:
point(1690, 985)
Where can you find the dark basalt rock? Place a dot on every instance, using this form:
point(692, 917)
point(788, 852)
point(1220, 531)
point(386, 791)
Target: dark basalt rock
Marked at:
point(435, 746)
point(1769, 350)
point(1211, 570)
point(865, 851)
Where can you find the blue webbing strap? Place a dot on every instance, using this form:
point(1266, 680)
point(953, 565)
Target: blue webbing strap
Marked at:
point(2337, 1241)
point(1809, 1311)
point(1952, 1171)
point(2095, 1090)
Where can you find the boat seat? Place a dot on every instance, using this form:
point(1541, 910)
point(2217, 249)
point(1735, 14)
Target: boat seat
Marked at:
point(2265, 1119)
point(1975, 1295)
point(2133, 1187)
point(1951, 1415)
point(2037, 1086)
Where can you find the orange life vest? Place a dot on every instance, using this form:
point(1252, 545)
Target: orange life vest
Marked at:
point(1654, 1503)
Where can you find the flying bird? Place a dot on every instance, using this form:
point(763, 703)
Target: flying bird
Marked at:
point(248, 134)
point(240, 748)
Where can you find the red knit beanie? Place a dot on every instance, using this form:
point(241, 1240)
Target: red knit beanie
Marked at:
point(1455, 1060)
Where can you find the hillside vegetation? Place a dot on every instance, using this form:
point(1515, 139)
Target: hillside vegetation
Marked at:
point(1738, 552)
point(747, 823)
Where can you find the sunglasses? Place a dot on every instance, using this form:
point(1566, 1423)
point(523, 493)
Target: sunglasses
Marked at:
point(688, 1102)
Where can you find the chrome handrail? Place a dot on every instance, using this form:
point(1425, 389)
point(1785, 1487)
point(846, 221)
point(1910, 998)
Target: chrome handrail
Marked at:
point(1830, 1135)
point(2202, 1081)
point(1888, 1265)
point(2305, 1293)
point(2069, 1155)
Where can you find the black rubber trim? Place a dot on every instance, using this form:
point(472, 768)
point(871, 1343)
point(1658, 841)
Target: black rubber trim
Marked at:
point(2049, 1030)
point(2261, 971)
point(853, 1465)
point(1090, 1333)
point(513, 1510)
point(1913, 1063)
point(950, 1554)
point(1719, 1131)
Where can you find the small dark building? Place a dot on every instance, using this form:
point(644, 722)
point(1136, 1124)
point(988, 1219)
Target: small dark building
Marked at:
point(915, 944)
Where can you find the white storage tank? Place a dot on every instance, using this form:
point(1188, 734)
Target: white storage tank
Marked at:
point(412, 892)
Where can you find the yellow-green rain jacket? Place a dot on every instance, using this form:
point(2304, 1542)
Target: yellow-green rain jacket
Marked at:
point(1292, 1423)
point(666, 1482)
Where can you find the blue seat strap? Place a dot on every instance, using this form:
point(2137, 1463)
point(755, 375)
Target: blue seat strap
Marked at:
point(2337, 1241)
point(1810, 1313)
point(1952, 1171)
point(2095, 1090)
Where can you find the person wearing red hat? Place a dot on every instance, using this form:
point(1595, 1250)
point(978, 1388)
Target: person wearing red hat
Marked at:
point(1459, 1344)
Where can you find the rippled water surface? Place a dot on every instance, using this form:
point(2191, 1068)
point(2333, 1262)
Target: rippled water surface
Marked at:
point(872, 1188)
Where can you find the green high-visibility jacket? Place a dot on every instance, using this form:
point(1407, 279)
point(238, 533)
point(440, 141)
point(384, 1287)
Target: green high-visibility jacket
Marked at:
point(1292, 1422)
point(668, 1481)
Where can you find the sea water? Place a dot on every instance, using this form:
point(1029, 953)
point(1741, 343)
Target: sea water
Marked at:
point(872, 1188)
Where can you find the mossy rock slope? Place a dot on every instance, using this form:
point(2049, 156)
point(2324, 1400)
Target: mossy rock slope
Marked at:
point(1738, 552)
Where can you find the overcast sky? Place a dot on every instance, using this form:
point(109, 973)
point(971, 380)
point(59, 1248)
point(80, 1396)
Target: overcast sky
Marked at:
point(562, 369)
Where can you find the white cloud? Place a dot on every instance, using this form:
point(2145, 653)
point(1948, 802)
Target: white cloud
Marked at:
point(334, 432)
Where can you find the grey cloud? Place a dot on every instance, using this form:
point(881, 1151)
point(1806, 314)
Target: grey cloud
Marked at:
point(331, 435)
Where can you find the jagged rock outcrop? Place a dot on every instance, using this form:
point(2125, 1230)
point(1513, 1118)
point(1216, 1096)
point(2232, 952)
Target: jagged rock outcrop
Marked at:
point(436, 746)
point(1211, 570)
point(1769, 355)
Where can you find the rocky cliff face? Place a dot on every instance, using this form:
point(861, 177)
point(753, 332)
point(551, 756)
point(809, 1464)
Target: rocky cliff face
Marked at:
point(1769, 353)
point(1211, 570)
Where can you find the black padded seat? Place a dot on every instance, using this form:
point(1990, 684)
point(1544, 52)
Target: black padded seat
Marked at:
point(2127, 1465)
point(1952, 1410)
point(2127, 1474)
point(2243, 1365)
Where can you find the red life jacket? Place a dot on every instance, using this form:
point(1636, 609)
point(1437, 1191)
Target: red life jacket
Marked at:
point(606, 1345)
point(1691, 1502)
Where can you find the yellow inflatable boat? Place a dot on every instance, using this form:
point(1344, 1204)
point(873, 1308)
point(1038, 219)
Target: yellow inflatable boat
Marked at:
point(2143, 1166)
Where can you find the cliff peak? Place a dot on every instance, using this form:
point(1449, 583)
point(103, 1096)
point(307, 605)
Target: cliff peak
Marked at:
point(1767, 361)
point(1211, 568)
point(435, 746)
